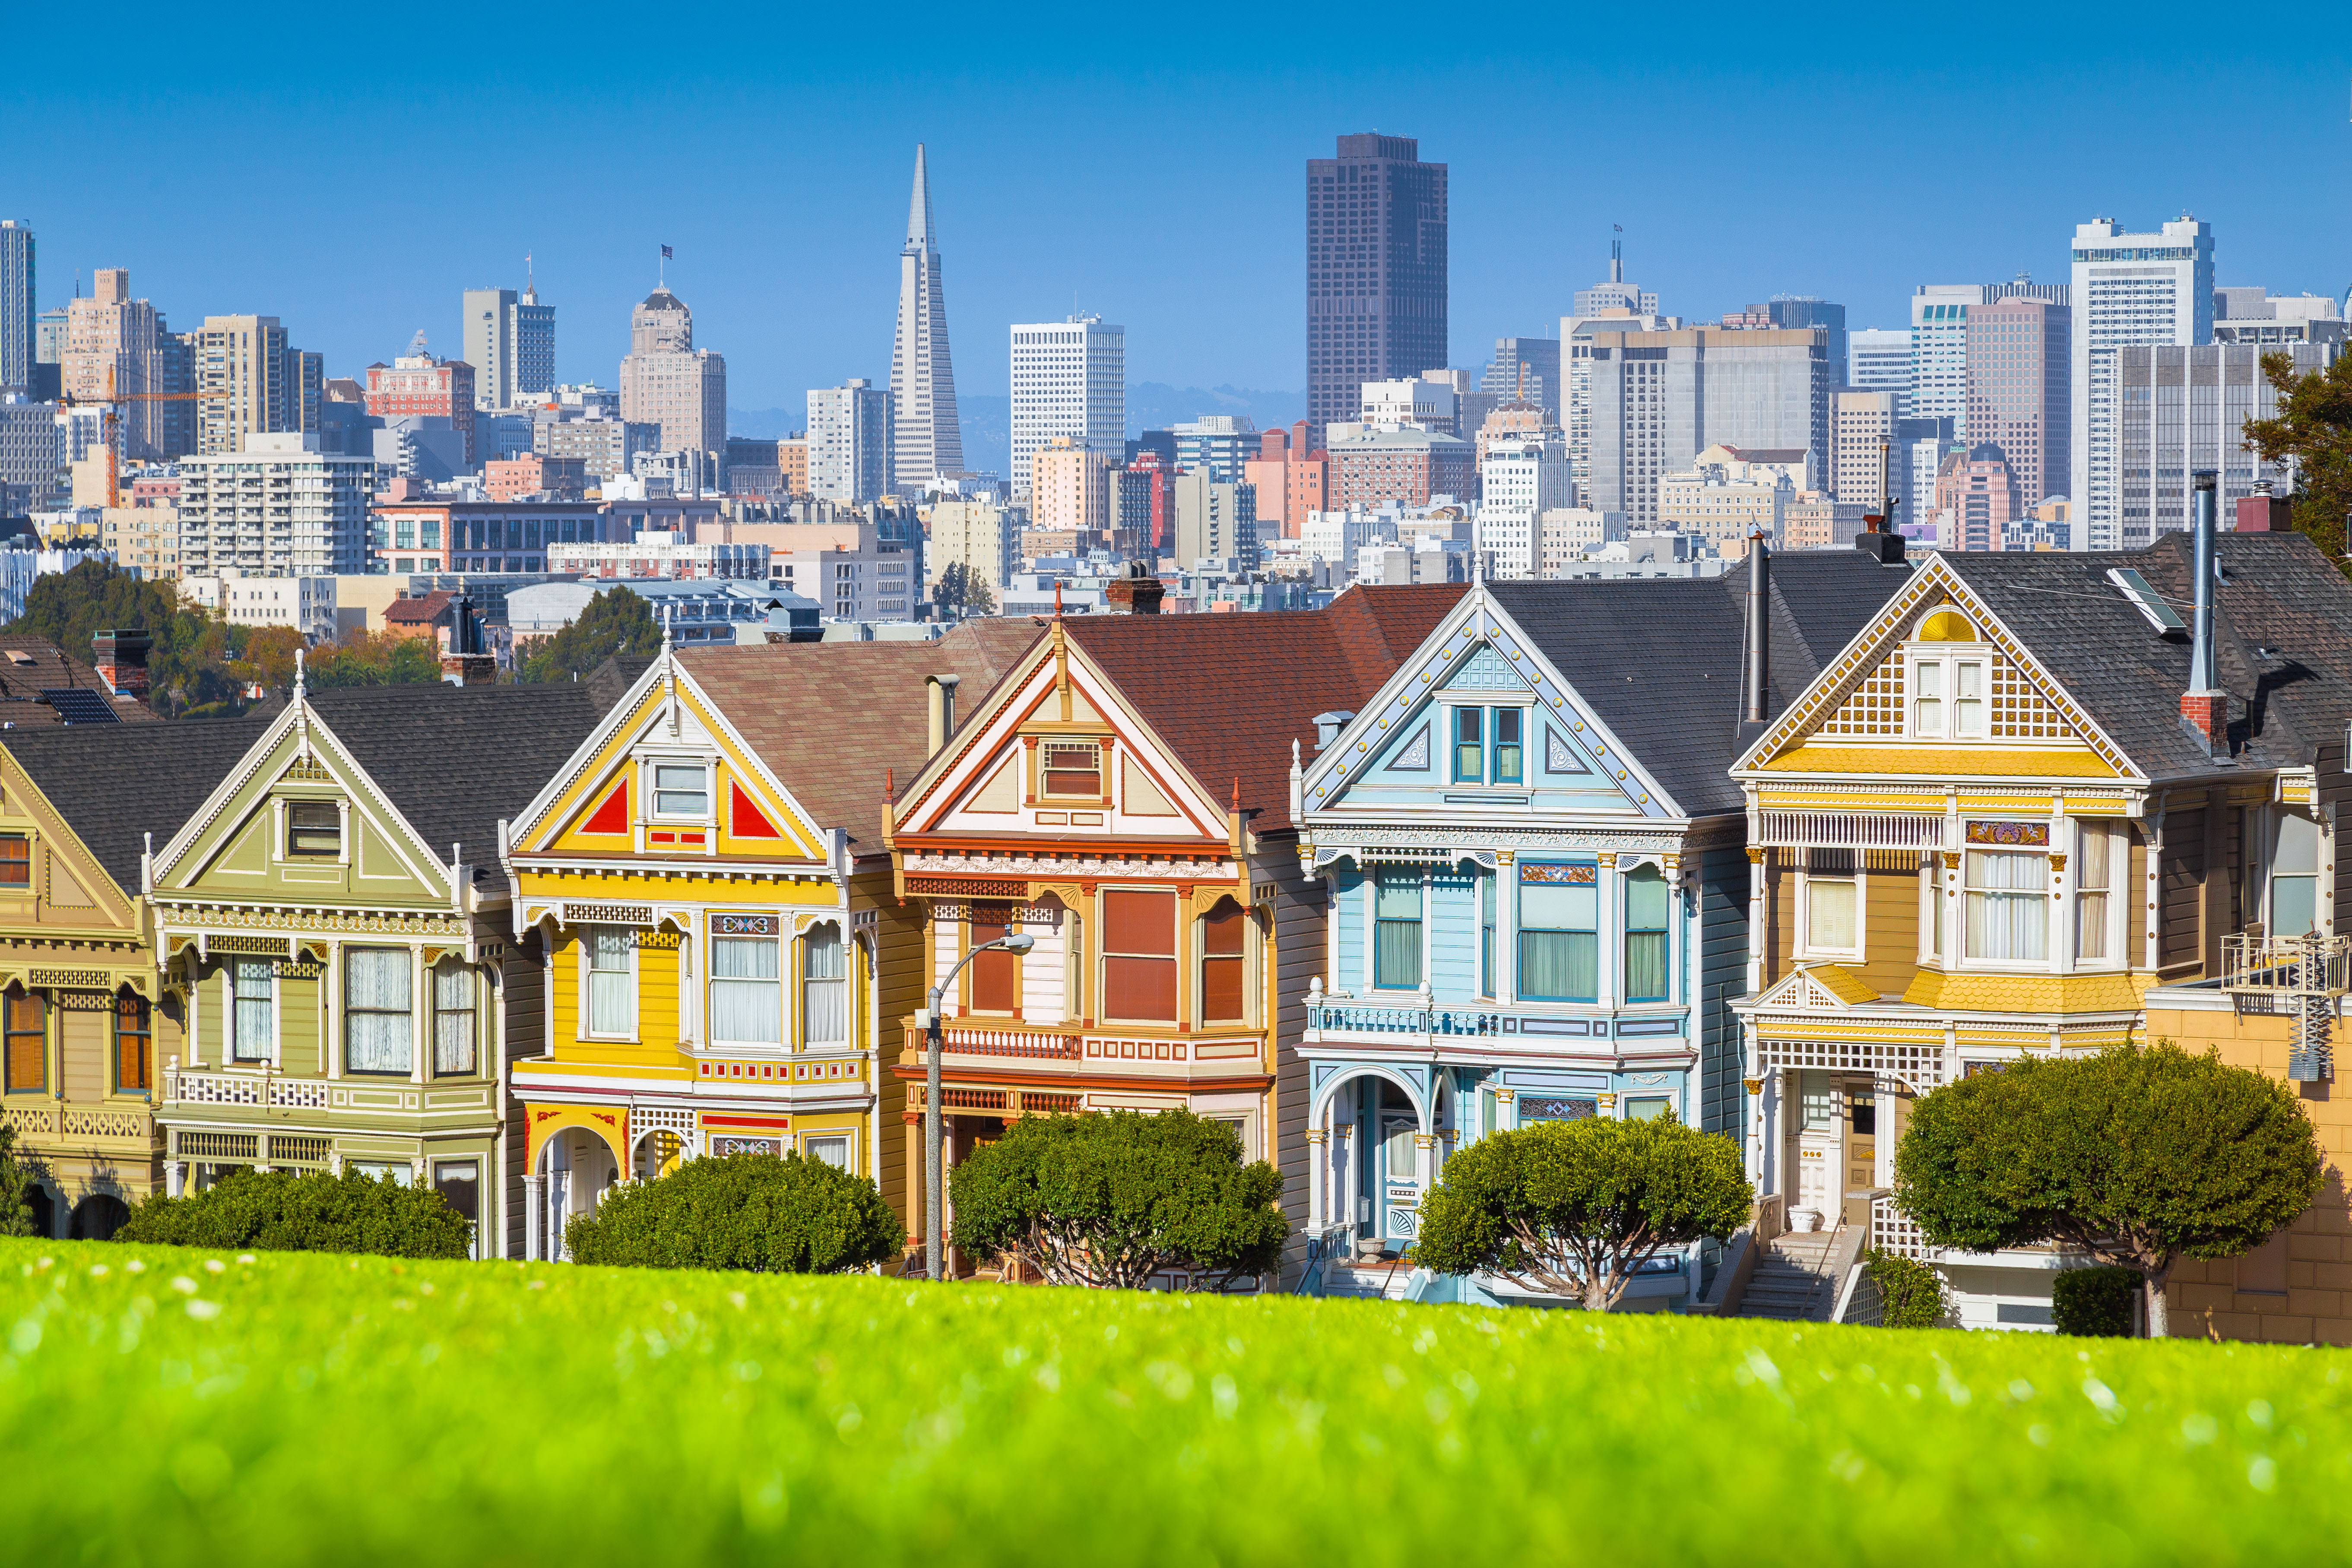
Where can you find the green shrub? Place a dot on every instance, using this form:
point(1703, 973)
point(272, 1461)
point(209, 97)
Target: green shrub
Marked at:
point(2094, 1301)
point(281, 1211)
point(15, 1214)
point(1913, 1295)
point(1112, 1198)
point(755, 1211)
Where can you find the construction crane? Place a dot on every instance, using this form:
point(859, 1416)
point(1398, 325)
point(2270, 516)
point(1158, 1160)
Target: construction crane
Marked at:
point(109, 423)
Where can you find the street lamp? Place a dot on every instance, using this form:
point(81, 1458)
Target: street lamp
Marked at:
point(1016, 944)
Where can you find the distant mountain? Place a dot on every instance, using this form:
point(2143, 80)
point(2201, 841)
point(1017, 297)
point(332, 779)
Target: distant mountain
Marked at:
point(987, 418)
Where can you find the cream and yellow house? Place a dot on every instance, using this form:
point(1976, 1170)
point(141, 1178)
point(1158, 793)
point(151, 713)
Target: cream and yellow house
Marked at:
point(707, 878)
point(1997, 819)
point(85, 1024)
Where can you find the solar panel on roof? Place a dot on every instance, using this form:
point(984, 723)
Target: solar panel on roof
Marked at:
point(81, 705)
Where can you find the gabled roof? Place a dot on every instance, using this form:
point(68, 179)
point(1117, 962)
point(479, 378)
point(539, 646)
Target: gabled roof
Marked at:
point(455, 759)
point(834, 721)
point(1661, 660)
point(115, 784)
point(31, 666)
point(422, 609)
point(1228, 694)
point(2278, 592)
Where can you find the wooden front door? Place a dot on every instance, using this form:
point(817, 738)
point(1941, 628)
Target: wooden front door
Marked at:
point(1861, 1172)
point(1819, 1145)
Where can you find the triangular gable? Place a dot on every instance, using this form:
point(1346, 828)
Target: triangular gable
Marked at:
point(1858, 698)
point(76, 885)
point(1817, 986)
point(592, 806)
point(964, 789)
point(1478, 647)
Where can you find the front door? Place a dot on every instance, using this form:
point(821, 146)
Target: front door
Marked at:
point(1819, 1150)
point(1861, 1151)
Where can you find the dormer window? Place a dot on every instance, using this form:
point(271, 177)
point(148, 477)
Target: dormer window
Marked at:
point(314, 828)
point(1947, 698)
point(681, 789)
point(1072, 768)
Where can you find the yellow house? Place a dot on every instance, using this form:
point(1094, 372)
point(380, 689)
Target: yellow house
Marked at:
point(2005, 812)
point(85, 1025)
point(715, 899)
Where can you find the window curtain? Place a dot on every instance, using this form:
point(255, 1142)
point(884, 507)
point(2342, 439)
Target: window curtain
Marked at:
point(2008, 914)
point(609, 1011)
point(2091, 894)
point(825, 988)
point(376, 1029)
point(1830, 915)
point(249, 1031)
point(1396, 934)
point(1560, 942)
point(453, 1019)
point(1647, 905)
point(746, 1007)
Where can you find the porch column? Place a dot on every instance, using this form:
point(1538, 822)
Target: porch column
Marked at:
point(1611, 938)
point(1424, 1159)
point(559, 1209)
point(1758, 937)
point(1350, 1178)
point(176, 1177)
point(534, 1214)
point(1506, 1109)
point(1319, 1176)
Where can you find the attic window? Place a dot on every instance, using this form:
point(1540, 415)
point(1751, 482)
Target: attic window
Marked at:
point(313, 827)
point(16, 860)
point(1072, 768)
point(2145, 600)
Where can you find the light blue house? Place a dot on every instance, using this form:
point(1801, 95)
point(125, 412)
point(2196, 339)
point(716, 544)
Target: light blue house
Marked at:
point(1537, 883)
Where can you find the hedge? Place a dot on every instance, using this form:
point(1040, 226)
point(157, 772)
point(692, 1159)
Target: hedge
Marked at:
point(1913, 1293)
point(755, 1211)
point(2094, 1301)
point(282, 1211)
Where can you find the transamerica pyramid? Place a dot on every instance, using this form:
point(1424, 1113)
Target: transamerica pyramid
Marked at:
point(925, 442)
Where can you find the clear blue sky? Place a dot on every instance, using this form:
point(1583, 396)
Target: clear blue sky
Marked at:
point(351, 169)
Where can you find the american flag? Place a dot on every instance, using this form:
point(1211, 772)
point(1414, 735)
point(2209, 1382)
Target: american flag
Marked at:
point(667, 256)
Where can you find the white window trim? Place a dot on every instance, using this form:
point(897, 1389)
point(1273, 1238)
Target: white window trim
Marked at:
point(1673, 1097)
point(2050, 901)
point(581, 1029)
point(794, 967)
point(785, 1019)
point(847, 1134)
point(1949, 657)
point(648, 792)
point(2119, 849)
point(1804, 947)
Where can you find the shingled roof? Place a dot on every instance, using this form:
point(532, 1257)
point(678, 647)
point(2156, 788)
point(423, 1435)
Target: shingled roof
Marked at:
point(2282, 638)
point(1661, 660)
point(1230, 693)
point(115, 784)
point(834, 721)
point(32, 666)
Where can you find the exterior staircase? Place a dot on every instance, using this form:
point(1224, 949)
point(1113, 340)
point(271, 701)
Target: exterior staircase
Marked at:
point(1796, 1278)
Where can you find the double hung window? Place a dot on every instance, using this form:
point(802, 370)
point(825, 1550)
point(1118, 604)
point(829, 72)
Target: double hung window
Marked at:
point(314, 828)
point(1947, 698)
point(825, 987)
point(831, 1150)
point(377, 1033)
point(26, 1041)
point(681, 790)
point(1485, 933)
point(1647, 977)
point(1223, 994)
point(16, 860)
point(2094, 899)
point(453, 1019)
point(2007, 905)
point(1072, 768)
point(611, 993)
point(1396, 930)
point(1833, 903)
point(1488, 747)
point(746, 1000)
point(996, 973)
point(1560, 932)
point(251, 980)
point(2295, 877)
point(134, 1045)
point(1139, 956)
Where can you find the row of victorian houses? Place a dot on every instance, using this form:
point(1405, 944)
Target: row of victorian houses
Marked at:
point(1774, 855)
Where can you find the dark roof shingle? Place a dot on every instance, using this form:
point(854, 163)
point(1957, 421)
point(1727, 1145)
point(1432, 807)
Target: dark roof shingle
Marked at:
point(116, 783)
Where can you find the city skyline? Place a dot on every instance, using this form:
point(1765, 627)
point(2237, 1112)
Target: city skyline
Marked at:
point(1703, 201)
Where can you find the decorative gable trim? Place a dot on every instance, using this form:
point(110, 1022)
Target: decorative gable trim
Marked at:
point(1413, 757)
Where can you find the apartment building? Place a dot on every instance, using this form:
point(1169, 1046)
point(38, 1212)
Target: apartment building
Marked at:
point(1070, 383)
point(278, 506)
point(252, 383)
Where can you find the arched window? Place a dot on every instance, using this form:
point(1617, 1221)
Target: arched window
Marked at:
point(825, 987)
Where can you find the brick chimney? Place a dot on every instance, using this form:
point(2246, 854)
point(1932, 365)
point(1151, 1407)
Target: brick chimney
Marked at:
point(1135, 592)
point(120, 657)
point(2264, 512)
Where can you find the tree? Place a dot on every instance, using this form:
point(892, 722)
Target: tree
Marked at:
point(615, 621)
point(1110, 1199)
point(373, 659)
point(185, 666)
point(15, 1214)
point(312, 1211)
point(2140, 1156)
point(755, 1211)
point(2312, 429)
point(1576, 1207)
point(962, 592)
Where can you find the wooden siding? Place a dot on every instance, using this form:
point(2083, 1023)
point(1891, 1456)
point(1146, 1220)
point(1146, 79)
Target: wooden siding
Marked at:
point(2181, 888)
point(1299, 945)
point(85, 1035)
point(1890, 936)
point(1723, 974)
point(299, 1026)
point(1349, 895)
point(563, 976)
point(1453, 919)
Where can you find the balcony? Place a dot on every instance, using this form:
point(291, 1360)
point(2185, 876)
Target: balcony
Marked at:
point(2263, 969)
point(998, 1049)
point(1432, 1027)
point(123, 1130)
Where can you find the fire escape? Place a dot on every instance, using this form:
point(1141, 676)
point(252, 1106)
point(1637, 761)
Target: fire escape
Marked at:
point(2292, 976)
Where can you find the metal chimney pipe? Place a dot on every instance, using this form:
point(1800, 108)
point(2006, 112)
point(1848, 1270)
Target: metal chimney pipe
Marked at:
point(2203, 672)
point(1760, 583)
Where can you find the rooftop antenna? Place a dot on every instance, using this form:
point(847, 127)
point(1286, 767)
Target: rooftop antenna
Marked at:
point(417, 344)
point(530, 278)
point(1617, 252)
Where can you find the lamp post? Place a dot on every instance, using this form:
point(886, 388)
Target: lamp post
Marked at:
point(1016, 944)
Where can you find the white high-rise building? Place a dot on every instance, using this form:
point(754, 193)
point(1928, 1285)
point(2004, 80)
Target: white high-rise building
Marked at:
point(278, 506)
point(1880, 360)
point(1939, 352)
point(849, 441)
point(1070, 378)
point(510, 344)
point(926, 441)
point(2130, 290)
point(1521, 480)
point(18, 308)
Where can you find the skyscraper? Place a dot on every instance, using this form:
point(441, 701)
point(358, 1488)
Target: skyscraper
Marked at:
point(2181, 408)
point(18, 306)
point(117, 346)
point(534, 345)
point(2130, 290)
point(1614, 306)
point(1880, 360)
point(2018, 363)
point(1523, 370)
point(253, 382)
point(849, 441)
point(1376, 286)
point(1069, 379)
point(510, 342)
point(1659, 399)
point(666, 381)
point(1616, 294)
point(926, 441)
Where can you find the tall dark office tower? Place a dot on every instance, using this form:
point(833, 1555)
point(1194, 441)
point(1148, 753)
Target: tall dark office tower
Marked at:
point(1375, 271)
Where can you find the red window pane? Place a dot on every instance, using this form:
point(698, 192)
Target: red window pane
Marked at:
point(1140, 924)
point(995, 975)
point(1139, 989)
point(16, 862)
point(1221, 935)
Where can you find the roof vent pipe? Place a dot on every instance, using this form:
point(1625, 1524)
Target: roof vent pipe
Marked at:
point(1759, 584)
point(2204, 707)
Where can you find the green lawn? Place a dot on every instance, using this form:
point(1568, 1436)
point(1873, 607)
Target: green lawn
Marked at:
point(304, 1408)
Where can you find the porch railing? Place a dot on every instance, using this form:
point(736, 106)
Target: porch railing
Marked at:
point(988, 1040)
point(2314, 965)
point(1369, 1019)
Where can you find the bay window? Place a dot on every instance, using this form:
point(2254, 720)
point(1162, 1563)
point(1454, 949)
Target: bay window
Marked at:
point(1647, 977)
point(1396, 929)
point(377, 1037)
point(2099, 860)
point(1560, 933)
point(746, 1003)
point(250, 1012)
point(1485, 933)
point(2007, 905)
point(996, 973)
point(453, 1019)
point(1138, 956)
point(27, 1042)
point(825, 987)
point(134, 1045)
point(1832, 897)
point(1224, 993)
